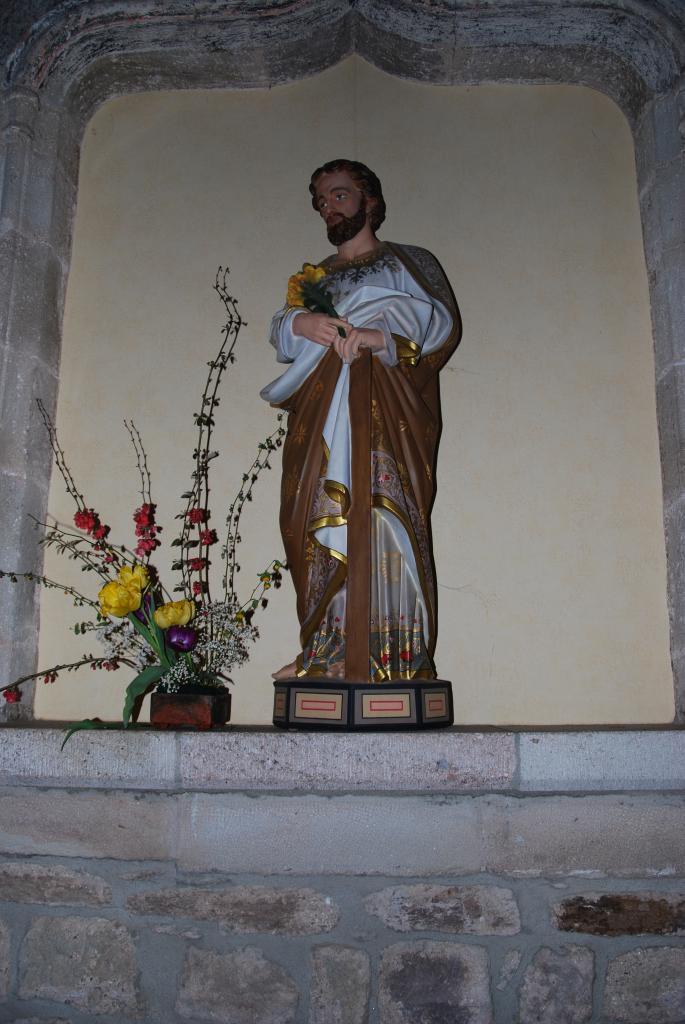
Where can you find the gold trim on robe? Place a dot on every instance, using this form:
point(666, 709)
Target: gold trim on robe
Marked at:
point(407, 351)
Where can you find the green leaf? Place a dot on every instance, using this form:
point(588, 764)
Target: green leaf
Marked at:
point(166, 656)
point(136, 690)
point(87, 723)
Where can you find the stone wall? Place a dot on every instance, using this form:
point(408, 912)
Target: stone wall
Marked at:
point(476, 877)
point(142, 939)
point(532, 877)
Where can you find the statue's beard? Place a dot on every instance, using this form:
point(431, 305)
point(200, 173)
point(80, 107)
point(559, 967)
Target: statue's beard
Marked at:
point(342, 230)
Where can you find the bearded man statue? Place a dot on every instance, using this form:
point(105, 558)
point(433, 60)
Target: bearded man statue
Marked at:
point(361, 390)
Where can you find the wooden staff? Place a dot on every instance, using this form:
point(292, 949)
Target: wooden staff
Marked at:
point(358, 613)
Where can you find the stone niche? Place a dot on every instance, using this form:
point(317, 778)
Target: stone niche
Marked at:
point(63, 65)
point(479, 875)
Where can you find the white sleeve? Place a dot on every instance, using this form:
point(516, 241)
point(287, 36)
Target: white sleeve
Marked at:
point(288, 345)
point(404, 317)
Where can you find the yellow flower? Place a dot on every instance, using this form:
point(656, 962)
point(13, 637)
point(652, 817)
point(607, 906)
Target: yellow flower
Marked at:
point(174, 613)
point(118, 600)
point(137, 577)
point(308, 275)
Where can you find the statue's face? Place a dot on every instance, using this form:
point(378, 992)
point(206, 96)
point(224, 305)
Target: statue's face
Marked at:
point(342, 205)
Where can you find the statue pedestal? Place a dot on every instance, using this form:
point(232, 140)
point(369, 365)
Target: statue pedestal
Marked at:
point(301, 703)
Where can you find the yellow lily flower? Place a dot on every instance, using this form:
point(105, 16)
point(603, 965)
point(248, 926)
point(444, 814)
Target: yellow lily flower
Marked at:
point(174, 613)
point(308, 275)
point(136, 576)
point(118, 600)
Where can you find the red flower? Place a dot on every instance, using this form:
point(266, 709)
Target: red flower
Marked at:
point(198, 587)
point(385, 657)
point(100, 531)
point(197, 564)
point(85, 519)
point(208, 537)
point(197, 515)
point(12, 694)
point(145, 515)
point(405, 655)
point(145, 545)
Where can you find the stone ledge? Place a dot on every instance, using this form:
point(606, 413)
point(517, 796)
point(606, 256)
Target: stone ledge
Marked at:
point(652, 759)
point(445, 761)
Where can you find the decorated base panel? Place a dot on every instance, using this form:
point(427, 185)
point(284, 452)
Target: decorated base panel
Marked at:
point(189, 710)
point(337, 704)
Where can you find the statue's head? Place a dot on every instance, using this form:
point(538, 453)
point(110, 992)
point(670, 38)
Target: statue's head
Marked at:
point(365, 181)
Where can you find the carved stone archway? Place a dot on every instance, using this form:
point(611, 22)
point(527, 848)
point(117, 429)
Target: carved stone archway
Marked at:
point(59, 67)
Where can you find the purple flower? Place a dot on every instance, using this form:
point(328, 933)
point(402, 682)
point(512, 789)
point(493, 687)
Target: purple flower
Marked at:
point(143, 613)
point(181, 638)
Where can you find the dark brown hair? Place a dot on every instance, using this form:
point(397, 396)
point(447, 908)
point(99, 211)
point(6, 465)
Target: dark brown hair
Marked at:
point(365, 180)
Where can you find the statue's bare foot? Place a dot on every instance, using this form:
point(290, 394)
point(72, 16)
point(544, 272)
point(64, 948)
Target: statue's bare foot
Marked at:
point(287, 672)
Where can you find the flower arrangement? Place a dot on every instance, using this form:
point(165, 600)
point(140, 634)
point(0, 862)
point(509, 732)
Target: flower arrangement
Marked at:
point(188, 643)
point(305, 289)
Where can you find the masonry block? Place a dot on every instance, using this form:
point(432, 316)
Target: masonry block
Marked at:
point(668, 142)
point(678, 662)
point(588, 760)
point(622, 835)
point(510, 965)
point(245, 908)
point(444, 761)
point(21, 498)
point(341, 978)
point(670, 398)
point(434, 981)
point(86, 962)
point(39, 1020)
point(663, 210)
point(242, 987)
point(622, 913)
point(674, 525)
point(557, 987)
point(667, 297)
point(465, 909)
point(24, 882)
point(31, 301)
point(112, 758)
point(382, 834)
point(55, 822)
point(646, 986)
point(645, 147)
point(4, 959)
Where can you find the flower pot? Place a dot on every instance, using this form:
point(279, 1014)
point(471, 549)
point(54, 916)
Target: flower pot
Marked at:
point(190, 710)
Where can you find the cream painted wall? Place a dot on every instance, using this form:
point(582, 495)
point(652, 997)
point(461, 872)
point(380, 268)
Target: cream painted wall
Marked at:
point(548, 521)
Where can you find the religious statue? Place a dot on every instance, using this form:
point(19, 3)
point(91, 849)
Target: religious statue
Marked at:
point(361, 390)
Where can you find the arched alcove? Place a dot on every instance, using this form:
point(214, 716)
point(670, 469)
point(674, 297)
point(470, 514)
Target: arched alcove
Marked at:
point(74, 58)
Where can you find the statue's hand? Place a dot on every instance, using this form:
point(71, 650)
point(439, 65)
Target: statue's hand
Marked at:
point(318, 327)
point(356, 339)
